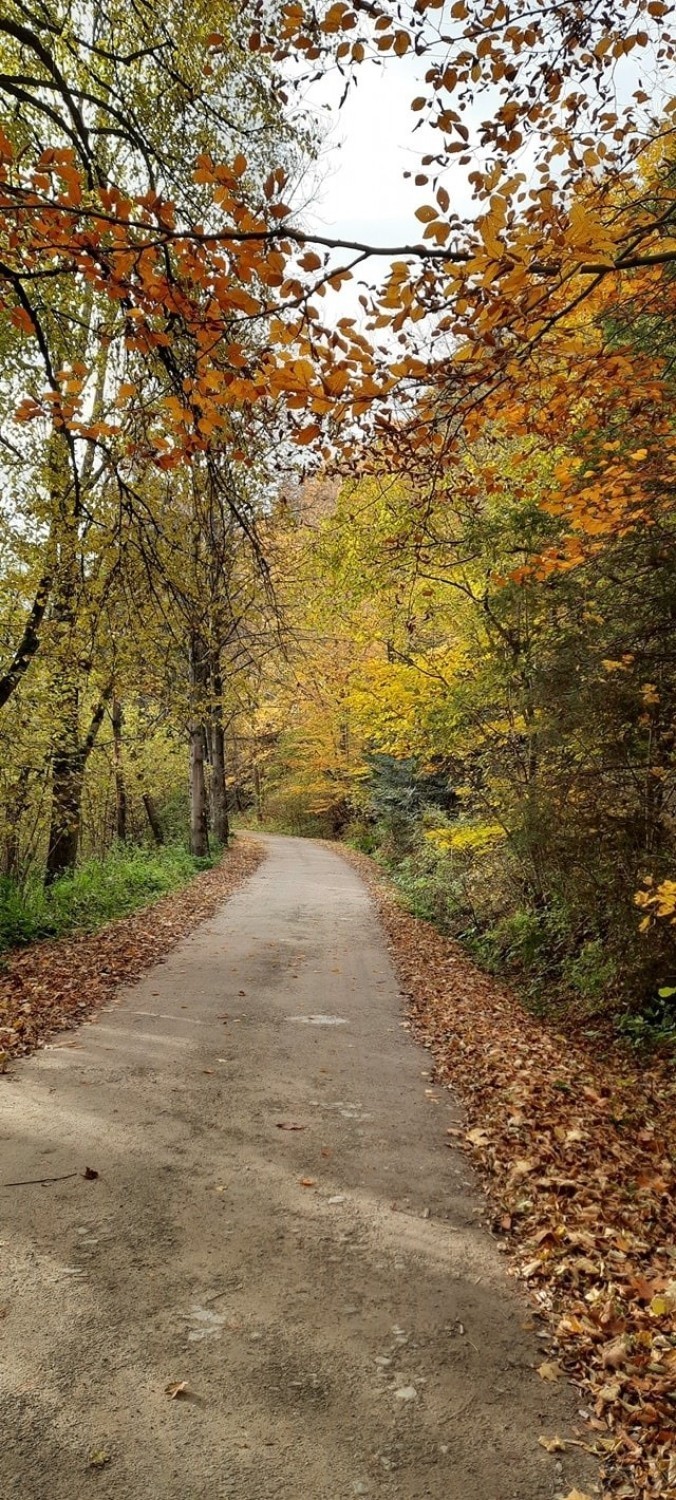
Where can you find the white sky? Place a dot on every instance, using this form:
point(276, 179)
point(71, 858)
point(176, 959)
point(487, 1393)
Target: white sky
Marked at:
point(362, 193)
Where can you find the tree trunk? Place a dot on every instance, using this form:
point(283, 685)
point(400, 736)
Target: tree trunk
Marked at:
point(153, 818)
point(68, 768)
point(258, 790)
point(199, 841)
point(117, 719)
point(199, 837)
point(219, 797)
point(64, 829)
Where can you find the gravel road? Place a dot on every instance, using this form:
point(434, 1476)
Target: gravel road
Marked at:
point(329, 1294)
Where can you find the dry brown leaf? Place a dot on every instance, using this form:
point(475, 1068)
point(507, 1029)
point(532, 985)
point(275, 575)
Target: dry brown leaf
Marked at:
point(548, 1370)
point(552, 1445)
point(176, 1388)
point(308, 1181)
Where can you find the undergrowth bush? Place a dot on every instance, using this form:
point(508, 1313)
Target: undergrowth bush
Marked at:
point(95, 893)
point(468, 880)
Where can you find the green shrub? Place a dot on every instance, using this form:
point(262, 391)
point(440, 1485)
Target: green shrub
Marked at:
point(655, 1025)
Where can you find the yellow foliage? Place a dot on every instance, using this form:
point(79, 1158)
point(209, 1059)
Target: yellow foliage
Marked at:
point(658, 902)
point(476, 838)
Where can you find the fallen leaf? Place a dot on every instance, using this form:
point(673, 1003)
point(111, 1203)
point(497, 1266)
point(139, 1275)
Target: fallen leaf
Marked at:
point(98, 1458)
point(289, 1125)
point(661, 1305)
point(176, 1388)
point(552, 1445)
point(548, 1370)
point(90, 1173)
point(308, 1181)
point(614, 1353)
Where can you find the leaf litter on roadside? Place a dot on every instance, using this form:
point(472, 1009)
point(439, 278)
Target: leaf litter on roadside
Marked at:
point(577, 1153)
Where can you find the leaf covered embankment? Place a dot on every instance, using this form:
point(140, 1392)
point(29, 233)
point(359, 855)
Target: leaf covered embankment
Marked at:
point(54, 985)
point(577, 1155)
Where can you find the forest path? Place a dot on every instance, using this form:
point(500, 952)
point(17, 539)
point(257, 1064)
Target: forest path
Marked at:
point(357, 1336)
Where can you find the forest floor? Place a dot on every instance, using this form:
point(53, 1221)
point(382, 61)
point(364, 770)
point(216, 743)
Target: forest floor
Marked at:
point(238, 1261)
point(577, 1151)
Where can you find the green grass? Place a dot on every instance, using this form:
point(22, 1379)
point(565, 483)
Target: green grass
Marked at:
point(94, 894)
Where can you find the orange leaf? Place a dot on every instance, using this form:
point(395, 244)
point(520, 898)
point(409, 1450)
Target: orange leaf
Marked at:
point(308, 434)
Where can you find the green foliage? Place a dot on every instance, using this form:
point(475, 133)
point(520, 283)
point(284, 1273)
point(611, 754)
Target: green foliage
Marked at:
point(654, 1025)
point(94, 894)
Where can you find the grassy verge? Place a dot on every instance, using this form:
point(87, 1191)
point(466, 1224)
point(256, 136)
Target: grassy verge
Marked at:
point(95, 893)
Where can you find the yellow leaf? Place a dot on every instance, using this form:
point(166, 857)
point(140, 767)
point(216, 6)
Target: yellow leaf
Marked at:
point(661, 1305)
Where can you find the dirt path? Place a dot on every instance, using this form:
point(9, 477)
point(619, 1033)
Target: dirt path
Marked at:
point(356, 1336)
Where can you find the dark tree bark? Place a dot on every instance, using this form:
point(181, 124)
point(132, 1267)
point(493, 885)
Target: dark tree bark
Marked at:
point(153, 818)
point(69, 763)
point(29, 643)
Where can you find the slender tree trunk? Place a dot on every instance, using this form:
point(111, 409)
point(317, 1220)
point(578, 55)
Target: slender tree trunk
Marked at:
point(29, 642)
point(199, 837)
point(153, 818)
point(258, 789)
point(117, 720)
point(219, 797)
point(199, 841)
